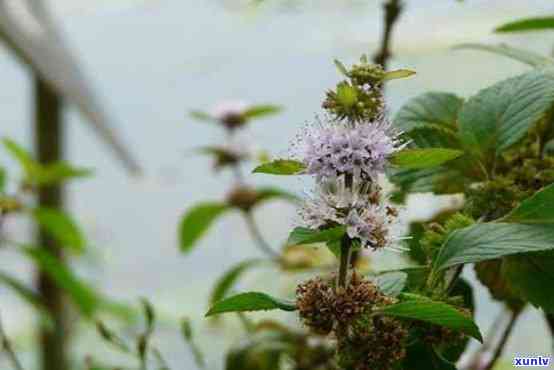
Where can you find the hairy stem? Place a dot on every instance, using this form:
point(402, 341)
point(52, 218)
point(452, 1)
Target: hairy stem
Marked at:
point(261, 243)
point(503, 339)
point(49, 137)
point(393, 9)
point(8, 349)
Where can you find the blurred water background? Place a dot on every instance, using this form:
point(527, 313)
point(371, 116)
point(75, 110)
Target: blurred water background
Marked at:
point(153, 61)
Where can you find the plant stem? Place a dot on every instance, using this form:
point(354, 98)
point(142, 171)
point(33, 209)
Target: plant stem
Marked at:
point(257, 236)
point(393, 9)
point(49, 148)
point(503, 340)
point(345, 252)
point(455, 277)
point(8, 349)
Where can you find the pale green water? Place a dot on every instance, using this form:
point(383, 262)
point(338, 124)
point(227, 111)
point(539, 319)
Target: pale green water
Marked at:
point(155, 61)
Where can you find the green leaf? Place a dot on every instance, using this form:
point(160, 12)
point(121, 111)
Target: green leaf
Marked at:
point(303, 235)
point(188, 336)
point(434, 312)
point(499, 116)
point(59, 172)
point(202, 116)
point(488, 241)
point(281, 167)
point(529, 24)
point(539, 208)
point(37, 174)
point(524, 56)
point(399, 73)
point(61, 227)
point(268, 193)
point(529, 274)
point(342, 69)
point(225, 283)
point(251, 301)
point(25, 160)
point(258, 111)
point(346, 95)
point(82, 295)
point(196, 222)
point(432, 109)
point(28, 294)
point(424, 158)
point(392, 283)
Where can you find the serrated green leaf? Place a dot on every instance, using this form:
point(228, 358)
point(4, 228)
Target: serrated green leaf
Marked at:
point(529, 24)
point(392, 283)
point(524, 56)
point(432, 109)
point(539, 208)
point(281, 167)
point(258, 111)
point(61, 227)
point(529, 274)
point(482, 242)
point(399, 73)
point(424, 158)
point(499, 116)
point(196, 222)
point(225, 283)
point(84, 297)
point(303, 235)
point(434, 312)
point(251, 301)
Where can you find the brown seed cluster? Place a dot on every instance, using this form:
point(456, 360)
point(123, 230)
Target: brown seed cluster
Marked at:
point(377, 343)
point(321, 306)
point(359, 296)
point(314, 299)
point(364, 341)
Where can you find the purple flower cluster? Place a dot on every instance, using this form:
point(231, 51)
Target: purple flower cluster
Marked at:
point(330, 149)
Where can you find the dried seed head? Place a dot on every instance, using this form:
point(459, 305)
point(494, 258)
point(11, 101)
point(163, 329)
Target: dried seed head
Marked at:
point(380, 345)
point(314, 300)
point(356, 299)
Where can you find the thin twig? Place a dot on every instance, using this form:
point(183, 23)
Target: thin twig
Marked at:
point(503, 340)
point(488, 342)
point(393, 9)
point(8, 349)
point(262, 244)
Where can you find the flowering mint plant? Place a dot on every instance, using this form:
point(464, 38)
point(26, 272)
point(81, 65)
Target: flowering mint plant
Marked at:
point(366, 321)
